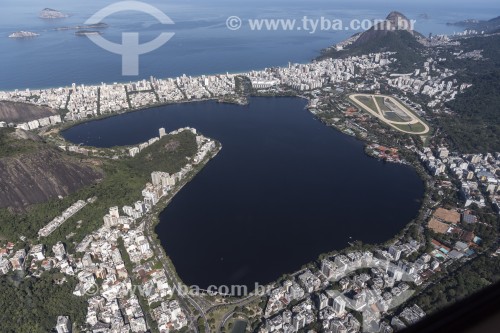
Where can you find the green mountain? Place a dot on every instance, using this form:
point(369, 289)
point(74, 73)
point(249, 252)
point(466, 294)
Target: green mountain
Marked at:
point(476, 125)
point(395, 34)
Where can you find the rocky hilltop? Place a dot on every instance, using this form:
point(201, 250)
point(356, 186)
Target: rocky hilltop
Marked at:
point(395, 34)
point(395, 24)
point(23, 112)
point(49, 13)
point(34, 172)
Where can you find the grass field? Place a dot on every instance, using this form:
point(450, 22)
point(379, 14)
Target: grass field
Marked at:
point(381, 104)
point(368, 101)
point(393, 116)
point(392, 112)
point(411, 127)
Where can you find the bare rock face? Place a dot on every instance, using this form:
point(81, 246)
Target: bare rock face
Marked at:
point(400, 21)
point(395, 23)
point(23, 112)
point(41, 173)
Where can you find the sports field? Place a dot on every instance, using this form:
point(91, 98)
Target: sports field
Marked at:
point(392, 112)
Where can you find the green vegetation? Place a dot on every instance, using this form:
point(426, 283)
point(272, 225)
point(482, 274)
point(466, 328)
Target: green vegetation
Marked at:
point(243, 85)
point(368, 101)
point(201, 325)
point(31, 305)
point(417, 128)
point(381, 104)
point(408, 49)
point(474, 276)
point(476, 125)
point(122, 185)
point(10, 146)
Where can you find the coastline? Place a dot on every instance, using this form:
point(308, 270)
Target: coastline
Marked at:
point(156, 243)
point(331, 110)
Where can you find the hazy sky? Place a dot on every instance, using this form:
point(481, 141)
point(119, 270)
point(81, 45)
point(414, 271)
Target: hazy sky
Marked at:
point(235, 4)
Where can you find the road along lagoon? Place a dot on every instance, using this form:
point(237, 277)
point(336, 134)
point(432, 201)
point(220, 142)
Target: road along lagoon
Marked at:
point(284, 189)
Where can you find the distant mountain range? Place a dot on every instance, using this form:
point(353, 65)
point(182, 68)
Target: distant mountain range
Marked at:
point(489, 26)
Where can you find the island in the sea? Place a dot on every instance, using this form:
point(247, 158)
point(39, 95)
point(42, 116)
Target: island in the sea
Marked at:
point(388, 88)
point(23, 34)
point(100, 25)
point(87, 32)
point(49, 13)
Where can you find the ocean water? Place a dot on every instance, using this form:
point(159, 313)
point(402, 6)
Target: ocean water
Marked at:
point(284, 188)
point(202, 44)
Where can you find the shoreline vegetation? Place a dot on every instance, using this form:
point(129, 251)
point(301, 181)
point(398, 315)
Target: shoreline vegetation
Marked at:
point(58, 129)
point(354, 245)
point(438, 293)
point(413, 163)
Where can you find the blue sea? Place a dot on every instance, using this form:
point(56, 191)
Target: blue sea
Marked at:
point(202, 43)
point(286, 190)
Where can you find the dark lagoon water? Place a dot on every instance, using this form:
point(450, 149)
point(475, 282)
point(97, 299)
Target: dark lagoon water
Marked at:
point(284, 189)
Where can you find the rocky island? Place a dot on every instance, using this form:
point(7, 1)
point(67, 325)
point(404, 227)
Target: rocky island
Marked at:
point(101, 25)
point(431, 103)
point(87, 33)
point(23, 34)
point(49, 13)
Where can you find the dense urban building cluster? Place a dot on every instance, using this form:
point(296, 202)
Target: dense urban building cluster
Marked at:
point(115, 306)
point(332, 293)
point(100, 266)
point(477, 173)
point(85, 101)
point(116, 266)
point(42, 122)
point(431, 81)
point(317, 74)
